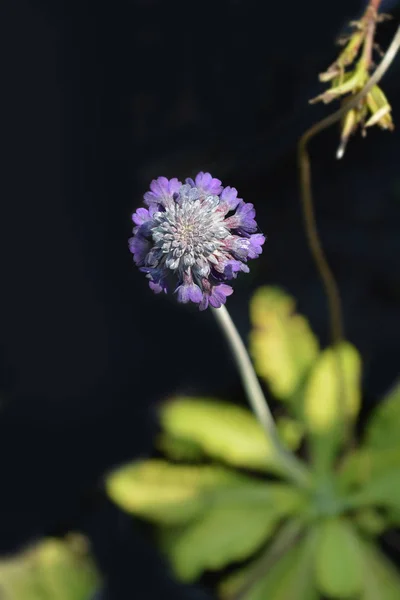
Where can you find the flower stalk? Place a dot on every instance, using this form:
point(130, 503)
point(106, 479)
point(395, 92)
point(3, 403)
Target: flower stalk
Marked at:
point(293, 467)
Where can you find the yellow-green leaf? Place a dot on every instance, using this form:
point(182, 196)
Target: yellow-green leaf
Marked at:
point(290, 576)
point(333, 392)
point(223, 431)
point(332, 399)
point(281, 341)
point(339, 560)
point(383, 430)
point(50, 570)
point(233, 527)
point(166, 493)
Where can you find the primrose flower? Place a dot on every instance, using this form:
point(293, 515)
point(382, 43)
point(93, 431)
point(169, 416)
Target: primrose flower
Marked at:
point(193, 237)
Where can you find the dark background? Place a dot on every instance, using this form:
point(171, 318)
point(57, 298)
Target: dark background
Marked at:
point(98, 99)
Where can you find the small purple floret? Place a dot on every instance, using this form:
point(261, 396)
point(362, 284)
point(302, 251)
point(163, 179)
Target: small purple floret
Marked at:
point(193, 237)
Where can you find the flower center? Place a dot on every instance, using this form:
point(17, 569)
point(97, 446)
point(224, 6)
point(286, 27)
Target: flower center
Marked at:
point(190, 230)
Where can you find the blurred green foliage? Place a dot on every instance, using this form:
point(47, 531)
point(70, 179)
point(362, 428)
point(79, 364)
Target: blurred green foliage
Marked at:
point(219, 497)
point(52, 569)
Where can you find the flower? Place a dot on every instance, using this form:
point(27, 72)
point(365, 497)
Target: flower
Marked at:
point(194, 237)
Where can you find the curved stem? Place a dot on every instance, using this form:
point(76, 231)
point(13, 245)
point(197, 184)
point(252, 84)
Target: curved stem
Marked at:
point(315, 245)
point(314, 241)
point(294, 468)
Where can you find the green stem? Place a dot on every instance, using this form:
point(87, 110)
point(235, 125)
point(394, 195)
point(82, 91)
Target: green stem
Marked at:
point(292, 466)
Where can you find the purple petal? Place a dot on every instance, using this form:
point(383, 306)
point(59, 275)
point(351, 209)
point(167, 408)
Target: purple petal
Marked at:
point(153, 208)
point(229, 197)
point(174, 186)
point(160, 187)
point(187, 193)
point(219, 294)
point(140, 216)
point(151, 198)
point(158, 281)
point(162, 190)
point(243, 220)
point(189, 293)
point(208, 184)
point(238, 246)
point(256, 241)
point(157, 287)
point(204, 303)
point(233, 267)
point(145, 229)
point(139, 247)
point(247, 213)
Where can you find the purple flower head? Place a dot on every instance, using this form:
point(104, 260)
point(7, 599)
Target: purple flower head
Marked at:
point(193, 238)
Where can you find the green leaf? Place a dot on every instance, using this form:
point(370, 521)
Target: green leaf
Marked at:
point(281, 341)
point(381, 578)
point(383, 490)
point(290, 576)
point(383, 430)
point(332, 400)
point(50, 570)
point(339, 560)
point(232, 528)
point(365, 464)
point(224, 431)
point(166, 493)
